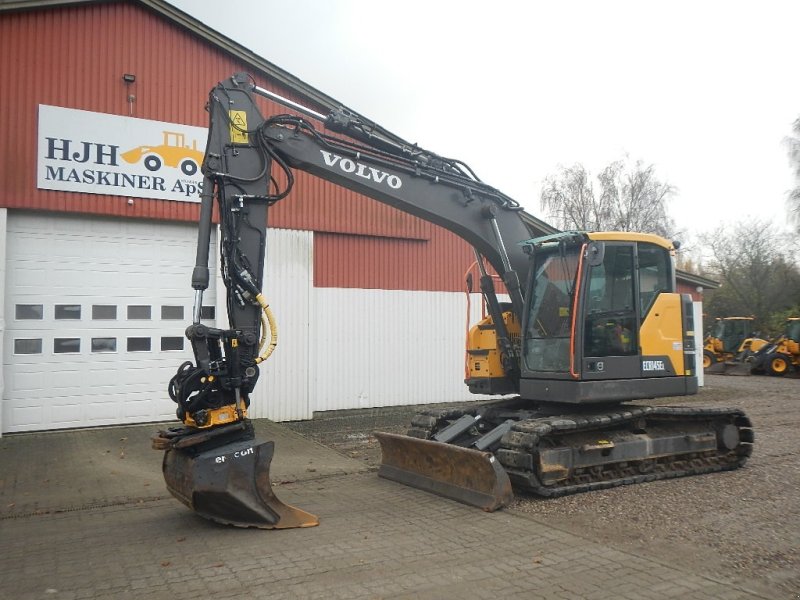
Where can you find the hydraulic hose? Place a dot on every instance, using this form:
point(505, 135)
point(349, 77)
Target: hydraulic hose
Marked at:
point(267, 321)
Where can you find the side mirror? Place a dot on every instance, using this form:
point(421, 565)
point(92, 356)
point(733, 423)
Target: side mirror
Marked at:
point(595, 253)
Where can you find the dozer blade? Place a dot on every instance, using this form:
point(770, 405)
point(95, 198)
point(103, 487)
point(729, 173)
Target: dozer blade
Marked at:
point(717, 368)
point(469, 476)
point(230, 484)
point(737, 368)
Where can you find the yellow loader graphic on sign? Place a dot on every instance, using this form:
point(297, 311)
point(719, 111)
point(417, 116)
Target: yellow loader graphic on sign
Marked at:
point(173, 152)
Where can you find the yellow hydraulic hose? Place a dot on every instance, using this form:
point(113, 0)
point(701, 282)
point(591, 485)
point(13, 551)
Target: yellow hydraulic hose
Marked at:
point(267, 321)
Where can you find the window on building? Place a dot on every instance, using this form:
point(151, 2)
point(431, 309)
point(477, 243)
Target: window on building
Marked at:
point(29, 311)
point(172, 312)
point(66, 345)
point(139, 311)
point(104, 312)
point(172, 343)
point(67, 312)
point(28, 346)
point(138, 344)
point(104, 344)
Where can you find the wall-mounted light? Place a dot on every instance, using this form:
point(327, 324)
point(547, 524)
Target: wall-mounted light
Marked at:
point(130, 78)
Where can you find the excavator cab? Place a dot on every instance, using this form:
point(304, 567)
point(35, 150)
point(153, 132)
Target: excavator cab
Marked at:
point(602, 308)
point(731, 332)
point(602, 324)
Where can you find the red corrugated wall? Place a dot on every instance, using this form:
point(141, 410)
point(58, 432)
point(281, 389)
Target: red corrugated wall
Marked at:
point(393, 264)
point(75, 57)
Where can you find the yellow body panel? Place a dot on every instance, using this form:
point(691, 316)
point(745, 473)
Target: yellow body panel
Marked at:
point(483, 355)
point(661, 333)
point(628, 236)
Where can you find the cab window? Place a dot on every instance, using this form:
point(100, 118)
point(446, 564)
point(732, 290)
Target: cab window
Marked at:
point(654, 275)
point(610, 327)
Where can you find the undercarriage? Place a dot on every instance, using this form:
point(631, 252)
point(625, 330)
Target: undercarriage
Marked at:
point(555, 450)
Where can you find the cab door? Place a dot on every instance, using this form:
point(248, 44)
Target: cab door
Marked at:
point(665, 315)
point(611, 315)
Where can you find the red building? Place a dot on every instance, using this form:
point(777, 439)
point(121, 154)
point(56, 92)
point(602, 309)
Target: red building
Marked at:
point(95, 281)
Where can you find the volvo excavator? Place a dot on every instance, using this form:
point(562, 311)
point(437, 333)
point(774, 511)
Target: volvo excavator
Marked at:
point(594, 322)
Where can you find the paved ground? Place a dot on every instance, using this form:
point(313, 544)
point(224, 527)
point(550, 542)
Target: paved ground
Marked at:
point(743, 525)
point(85, 514)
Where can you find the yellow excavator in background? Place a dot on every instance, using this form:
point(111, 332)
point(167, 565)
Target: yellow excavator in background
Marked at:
point(729, 344)
point(594, 321)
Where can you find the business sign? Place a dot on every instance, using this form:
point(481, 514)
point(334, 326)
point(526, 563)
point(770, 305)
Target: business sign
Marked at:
point(98, 153)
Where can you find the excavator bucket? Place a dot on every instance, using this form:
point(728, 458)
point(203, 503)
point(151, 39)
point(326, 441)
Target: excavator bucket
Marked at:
point(230, 484)
point(469, 476)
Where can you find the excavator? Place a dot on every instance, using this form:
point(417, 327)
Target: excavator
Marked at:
point(592, 322)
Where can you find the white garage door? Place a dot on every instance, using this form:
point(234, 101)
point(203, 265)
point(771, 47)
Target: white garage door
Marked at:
point(95, 313)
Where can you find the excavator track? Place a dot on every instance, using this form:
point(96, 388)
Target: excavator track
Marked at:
point(557, 455)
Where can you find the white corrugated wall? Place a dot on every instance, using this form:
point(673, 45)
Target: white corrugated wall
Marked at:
point(388, 348)
point(282, 391)
point(3, 234)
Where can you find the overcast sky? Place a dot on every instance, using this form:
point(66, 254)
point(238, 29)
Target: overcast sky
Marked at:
point(704, 90)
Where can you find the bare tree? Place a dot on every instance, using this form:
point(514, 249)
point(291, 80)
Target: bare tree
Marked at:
point(631, 198)
point(757, 278)
point(637, 198)
point(793, 147)
point(568, 198)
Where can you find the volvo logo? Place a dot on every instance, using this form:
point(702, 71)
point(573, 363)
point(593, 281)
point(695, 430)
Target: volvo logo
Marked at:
point(361, 170)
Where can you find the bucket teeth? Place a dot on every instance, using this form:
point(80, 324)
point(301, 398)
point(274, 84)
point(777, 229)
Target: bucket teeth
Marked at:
point(469, 476)
point(230, 484)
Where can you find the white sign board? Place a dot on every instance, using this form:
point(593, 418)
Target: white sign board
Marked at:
point(99, 153)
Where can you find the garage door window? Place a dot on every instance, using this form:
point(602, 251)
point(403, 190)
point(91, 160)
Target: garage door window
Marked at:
point(66, 345)
point(104, 311)
point(28, 346)
point(68, 311)
point(29, 311)
point(139, 311)
point(172, 312)
point(104, 344)
point(138, 344)
point(172, 343)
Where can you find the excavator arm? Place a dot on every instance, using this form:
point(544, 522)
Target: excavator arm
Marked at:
point(249, 165)
point(244, 151)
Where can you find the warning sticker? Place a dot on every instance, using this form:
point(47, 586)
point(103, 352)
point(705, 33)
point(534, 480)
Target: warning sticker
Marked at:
point(238, 127)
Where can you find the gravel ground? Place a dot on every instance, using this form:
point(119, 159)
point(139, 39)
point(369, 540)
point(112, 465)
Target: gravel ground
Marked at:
point(742, 525)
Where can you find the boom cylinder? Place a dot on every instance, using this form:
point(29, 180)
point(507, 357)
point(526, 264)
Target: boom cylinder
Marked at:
point(200, 275)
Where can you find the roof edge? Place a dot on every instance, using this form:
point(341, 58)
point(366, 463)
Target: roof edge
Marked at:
point(237, 50)
point(201, 30)
point(697, 279)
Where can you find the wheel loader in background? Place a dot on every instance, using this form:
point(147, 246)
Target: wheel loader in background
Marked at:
point(782, 355)
point(729, 345)
point(593, 322)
